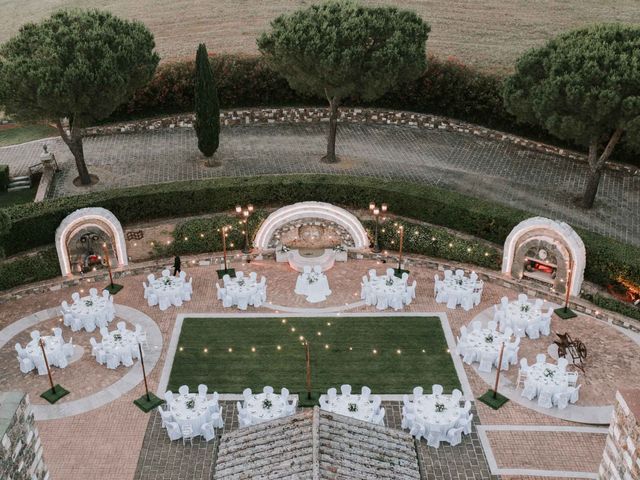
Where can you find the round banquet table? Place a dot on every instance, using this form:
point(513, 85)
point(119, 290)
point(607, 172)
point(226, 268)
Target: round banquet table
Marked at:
point(425, 407)
point(382, 290)
point(548, 376)
point(458, 287)
point(237, 287)
point(194, 417)
point(477, 341)
point(515, 315)
point(127, 341)
point(91, 309)
point(340, 405)
point(257, 411)
point(316, 290)
point(170, 287)
point(52, 346)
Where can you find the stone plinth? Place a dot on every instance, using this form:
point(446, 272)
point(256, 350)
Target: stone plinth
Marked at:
point(620, 460)
point(20, 448)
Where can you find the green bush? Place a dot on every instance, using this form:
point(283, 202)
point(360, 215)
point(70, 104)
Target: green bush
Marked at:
point(34, 224)
point(623, 308)
point(436, 242)
point(4, 178)
point(29, 268)
point(447, 88)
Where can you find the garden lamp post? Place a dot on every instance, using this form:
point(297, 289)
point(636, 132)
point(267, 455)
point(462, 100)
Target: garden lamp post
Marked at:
point(375, 210)
point(224, 232)
point(401, 230)
point(244, 214)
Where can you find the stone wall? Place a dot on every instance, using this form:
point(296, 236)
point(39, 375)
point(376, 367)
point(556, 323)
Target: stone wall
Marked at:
point(20, 449)
point(260, 116)
point(620, 460)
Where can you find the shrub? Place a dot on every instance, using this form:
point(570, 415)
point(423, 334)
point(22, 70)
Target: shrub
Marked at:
point(29, 268)
point(4, 178)
point(447, 88)
point(614, 305)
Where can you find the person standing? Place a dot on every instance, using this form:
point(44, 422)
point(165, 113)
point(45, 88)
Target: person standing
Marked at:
point(176, 266)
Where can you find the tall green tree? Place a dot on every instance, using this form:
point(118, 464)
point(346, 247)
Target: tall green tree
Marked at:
point(5, 226)
point(76, 65)
point(207, 124)
point(340, 49)
point(582, 86)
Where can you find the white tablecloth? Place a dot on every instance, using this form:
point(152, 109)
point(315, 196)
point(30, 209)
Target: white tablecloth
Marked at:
point(127, 342)
point(341, 404)
point(194, 417)
point(519, 316)
point(92, 312)
point(314, 286)
point(458, 288)
point(170, 288)
point(478, 342)
point(258, 412)
point(52, 346)
point(548, 376)
point(241, 287)
point(426, 414)
point(388, 291)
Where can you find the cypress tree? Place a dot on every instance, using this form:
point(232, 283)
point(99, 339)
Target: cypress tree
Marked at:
point(207, 124)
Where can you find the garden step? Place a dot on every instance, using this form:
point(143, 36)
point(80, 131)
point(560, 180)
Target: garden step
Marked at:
point(19, 178)
point(12, 188)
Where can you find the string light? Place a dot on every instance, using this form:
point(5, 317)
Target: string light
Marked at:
point(350, 349)
point(424, 351)
point(253, 349)
point(326, 347)
point(375, 351)
point(328, 324)
point(319, 334)
point(206, 350)
point(284, 320)
point(450, 245)
point(301, 338)
point(230, 349)
point(293, 329)
point(398, 351)
point(279, 347)
point(181, 349)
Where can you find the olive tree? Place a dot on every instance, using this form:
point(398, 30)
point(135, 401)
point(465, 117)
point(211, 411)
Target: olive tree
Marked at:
point(582, 86)
point(340, 49)
point(78, 65)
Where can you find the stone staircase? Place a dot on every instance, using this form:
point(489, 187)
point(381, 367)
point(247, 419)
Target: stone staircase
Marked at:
point(19, 183)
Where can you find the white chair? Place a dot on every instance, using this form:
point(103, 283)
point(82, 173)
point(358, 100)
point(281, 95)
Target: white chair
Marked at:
point(417, 393)
point(456, 395)
point(166, 416)
point(561, 400)
point(466, 302)
point(141, 335)
point(378, 418)
point(492, 325)
point(477, 293)
point(433, 438)
point(105, 294)
point(220, 291)
point(243, 300)
point(473, 276)
point(164, 302)
point(173, 430)
point(437, 389)
point(67, 348)
point(202, 391)
point(390, 272)
point(448, 274)
point(166, 272)
point(332, 394)
point(530, 390)
point(26, 365)
point(575, 393)
point(562, 364)
point(545, 325)
point(122, 327)
point(126, 358)
point(168, 396)
point(459, 273)
point(152, 298)
point(113, 361)
point(207, 432)
point(183, 390)
point(187, 433)
point(452, 301)
point(533, 330)
point(541, 358)
point(522, 298)
point(239, 274)
point(35, 335)
point(522, 372)
point(75, 296)
point(226, 279)
point(486, 362)
point(537, 304)
point(365, 393)
point(467, 425)
point(504, 303)
point(267, 390)
point(454, 436)
point(545, 398)
point(227, 301)
point(93, 292)
point(345, 390)
point(572, 377)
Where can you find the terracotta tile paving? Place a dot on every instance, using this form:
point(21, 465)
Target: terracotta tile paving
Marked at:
point(105, 443)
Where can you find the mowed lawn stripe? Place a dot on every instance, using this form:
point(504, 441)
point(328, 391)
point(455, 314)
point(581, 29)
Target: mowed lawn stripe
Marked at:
point(342, 353)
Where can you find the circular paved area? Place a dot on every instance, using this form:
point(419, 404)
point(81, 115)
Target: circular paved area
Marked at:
point(533, 181)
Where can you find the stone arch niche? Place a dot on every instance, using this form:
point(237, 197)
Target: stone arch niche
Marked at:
point(312, 219)
point(89, 226)
point(541, 249)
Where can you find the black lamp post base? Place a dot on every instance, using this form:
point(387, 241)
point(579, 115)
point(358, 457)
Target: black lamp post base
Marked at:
point(565, 313)
point(229, 271)
point(113, 288)
point(147, 404)
point(52, 396)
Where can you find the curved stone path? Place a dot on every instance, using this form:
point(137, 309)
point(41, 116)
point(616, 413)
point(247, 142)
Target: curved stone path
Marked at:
point(538, 182)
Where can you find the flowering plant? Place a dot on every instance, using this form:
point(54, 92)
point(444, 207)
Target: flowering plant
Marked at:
point(440, 407)
point(339, 248)
point(352, 407)
point(266, 404)
point(284, 248)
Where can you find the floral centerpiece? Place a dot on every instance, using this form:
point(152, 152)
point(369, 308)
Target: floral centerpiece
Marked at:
point(548, 373)
point(266, 404)
point(88, 303)
point(166, 281)
point(284, 249)
point(459, 281)
point(352, 407)
point(440, 407)
point(117, 336)
point(389, 282)
point(524, 308)
point(312, 277)
point(190, 404)
point(241, 282)
point(489, 338)
point(339, 248)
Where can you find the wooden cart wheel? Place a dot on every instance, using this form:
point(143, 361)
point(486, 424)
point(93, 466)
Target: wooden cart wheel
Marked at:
point(582, 350)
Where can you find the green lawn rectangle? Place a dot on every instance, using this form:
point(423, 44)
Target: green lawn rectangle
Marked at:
point(410, 351)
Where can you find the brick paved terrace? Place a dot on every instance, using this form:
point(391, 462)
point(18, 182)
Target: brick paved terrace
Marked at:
point(118, 441)
point(537, 182)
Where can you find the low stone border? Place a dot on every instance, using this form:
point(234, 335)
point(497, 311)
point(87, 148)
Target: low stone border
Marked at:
point(265, 116)
point(127, 382)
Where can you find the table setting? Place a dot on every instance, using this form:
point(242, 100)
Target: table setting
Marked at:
point(190, 409)
point(313, 284)
point(169, 291)
point(263, 407)
point(457, 289)
point(89, 312)
point(387, 291)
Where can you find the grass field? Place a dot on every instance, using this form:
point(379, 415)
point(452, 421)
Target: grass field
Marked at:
point(343, 353)
point(489, 34)
point(26, 133)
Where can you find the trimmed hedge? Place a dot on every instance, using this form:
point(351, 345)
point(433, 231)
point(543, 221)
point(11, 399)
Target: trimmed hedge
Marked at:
point(626, 309)
point(34, 224)
point(30, 268)
point(4, 178)
point(447, 88)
